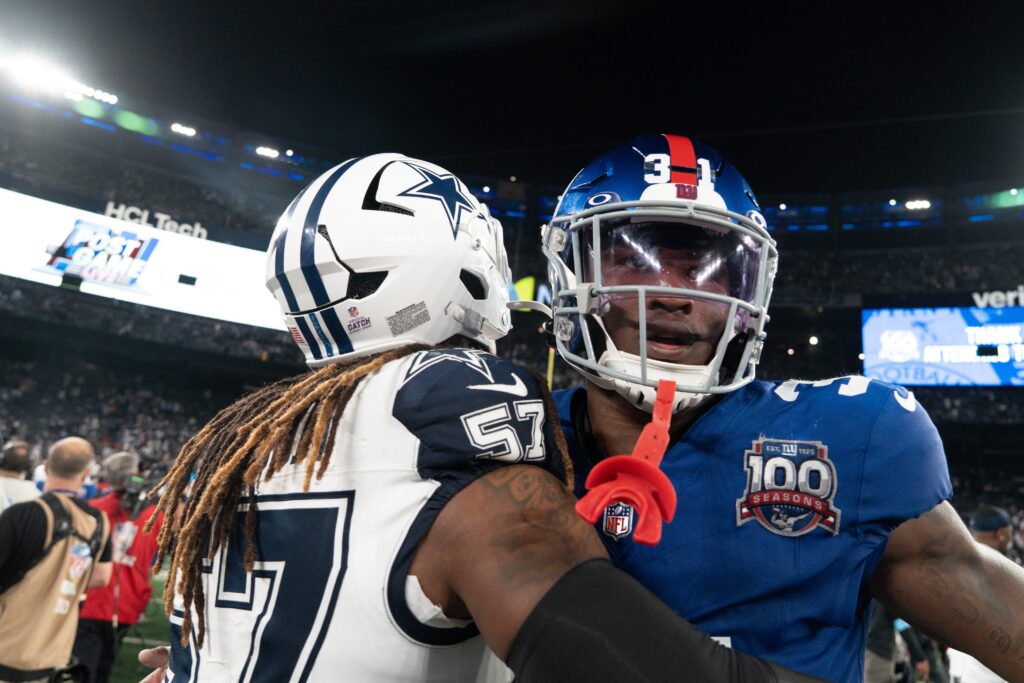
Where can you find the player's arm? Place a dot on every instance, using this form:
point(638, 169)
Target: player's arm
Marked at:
point(935, 576)
point(510, 551)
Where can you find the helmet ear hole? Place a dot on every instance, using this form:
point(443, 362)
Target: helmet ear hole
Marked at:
point(362, 285)
point(476, 286)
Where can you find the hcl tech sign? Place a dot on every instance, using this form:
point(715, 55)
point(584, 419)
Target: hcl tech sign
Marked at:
point(134, 214)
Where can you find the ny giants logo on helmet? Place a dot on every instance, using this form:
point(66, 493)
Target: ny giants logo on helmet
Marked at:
point(791, 487)
point(686, 191)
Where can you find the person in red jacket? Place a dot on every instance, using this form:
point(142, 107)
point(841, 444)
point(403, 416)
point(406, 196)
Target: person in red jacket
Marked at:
point(108, 612)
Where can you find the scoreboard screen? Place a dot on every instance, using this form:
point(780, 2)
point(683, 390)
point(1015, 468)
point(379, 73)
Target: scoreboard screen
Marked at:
point(945, 346)
point(55, 244)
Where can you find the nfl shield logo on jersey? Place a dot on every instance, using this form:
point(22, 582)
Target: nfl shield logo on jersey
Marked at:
point(791, 487)
point(80, 560)
point(618, 520)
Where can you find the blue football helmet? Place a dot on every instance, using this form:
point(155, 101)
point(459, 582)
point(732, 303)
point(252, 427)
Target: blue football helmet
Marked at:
point(661, 267)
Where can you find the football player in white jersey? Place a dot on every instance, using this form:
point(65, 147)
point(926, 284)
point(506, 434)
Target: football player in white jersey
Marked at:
point(407, 503)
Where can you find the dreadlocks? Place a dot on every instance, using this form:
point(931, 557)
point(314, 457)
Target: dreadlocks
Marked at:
point(257, 435)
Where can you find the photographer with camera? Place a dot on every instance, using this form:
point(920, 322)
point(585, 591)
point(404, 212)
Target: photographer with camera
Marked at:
point(109, 611)
point(52, 549)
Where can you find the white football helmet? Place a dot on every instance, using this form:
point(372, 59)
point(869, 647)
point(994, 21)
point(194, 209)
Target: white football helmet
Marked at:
point(383, 251)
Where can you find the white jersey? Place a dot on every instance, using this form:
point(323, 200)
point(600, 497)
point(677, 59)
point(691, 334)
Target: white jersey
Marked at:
point(331, 598)
point(964, 668)
point(16, 491)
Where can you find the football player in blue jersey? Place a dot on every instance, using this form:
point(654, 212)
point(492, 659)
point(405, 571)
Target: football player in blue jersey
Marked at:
point(798, 501)
point(386, 515)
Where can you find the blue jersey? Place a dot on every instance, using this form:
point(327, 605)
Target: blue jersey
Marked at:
point(787, 495)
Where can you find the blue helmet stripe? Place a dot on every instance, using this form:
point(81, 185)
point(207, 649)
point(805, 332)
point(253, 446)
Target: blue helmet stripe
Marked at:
point(328, 349)
point(336, 329)
point(282, 279)
point(307, 334)
point(306, 257)
point(286, 287)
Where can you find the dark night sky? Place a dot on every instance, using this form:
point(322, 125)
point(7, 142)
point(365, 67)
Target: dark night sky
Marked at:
point(800, 96)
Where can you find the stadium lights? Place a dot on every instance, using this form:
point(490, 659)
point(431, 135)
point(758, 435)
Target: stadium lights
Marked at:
point(892, 202)
point(33, 72)
point(918, 204)
point(512, 178)
point(38, 74)
point(1013, 191)
point(782, 207)
point(813, 341)
point(100, 95)
point(288, 152)
point(268, 152)
point(486, 189)
point(860, 356)
point(181, 129)
point(790, 352)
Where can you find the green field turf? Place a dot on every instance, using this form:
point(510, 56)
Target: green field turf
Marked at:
point(153, 630)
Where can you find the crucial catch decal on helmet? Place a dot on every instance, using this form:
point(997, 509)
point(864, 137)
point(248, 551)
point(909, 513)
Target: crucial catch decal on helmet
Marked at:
point(791, 487)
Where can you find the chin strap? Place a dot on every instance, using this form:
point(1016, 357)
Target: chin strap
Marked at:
point(473, 322)
point(528, 305)
point(635, 479)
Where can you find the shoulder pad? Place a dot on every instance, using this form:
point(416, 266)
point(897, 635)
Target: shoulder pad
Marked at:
point(470, 407)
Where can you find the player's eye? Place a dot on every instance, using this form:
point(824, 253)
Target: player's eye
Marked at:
point(637, 262)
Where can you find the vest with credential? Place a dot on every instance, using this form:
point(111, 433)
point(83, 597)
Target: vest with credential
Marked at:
point(39, 614)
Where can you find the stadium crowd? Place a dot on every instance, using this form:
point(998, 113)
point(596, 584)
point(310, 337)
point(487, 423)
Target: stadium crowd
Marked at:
point(114, 410)
point(135, 321)
point(43, 165)
point(805, 277)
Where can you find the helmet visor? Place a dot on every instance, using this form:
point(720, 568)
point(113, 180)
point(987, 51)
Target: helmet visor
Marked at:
point(673, 254)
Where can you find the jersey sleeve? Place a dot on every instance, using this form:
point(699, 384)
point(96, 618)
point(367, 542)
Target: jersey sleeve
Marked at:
point(471, 413)
point(471, 410)
point(905, 472)
point(22, 537)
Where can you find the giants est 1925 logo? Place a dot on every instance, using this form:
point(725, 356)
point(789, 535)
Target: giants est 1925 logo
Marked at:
point(791, 487)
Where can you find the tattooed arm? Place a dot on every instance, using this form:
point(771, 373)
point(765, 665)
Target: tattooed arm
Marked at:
point(499, 545)
point(510, 551)
point(934, 575)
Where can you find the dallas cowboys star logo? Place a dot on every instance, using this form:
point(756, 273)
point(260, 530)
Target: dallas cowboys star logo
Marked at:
point(444, 189)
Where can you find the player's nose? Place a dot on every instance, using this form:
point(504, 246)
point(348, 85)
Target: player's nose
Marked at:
point(670, 303)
